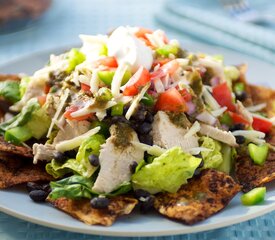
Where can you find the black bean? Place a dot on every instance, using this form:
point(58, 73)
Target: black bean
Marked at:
point(46, 187)
point(140, 193)
point(33, 186)
point(125, 109)
point(133, 167)
point(59, 156)
point(146, 139)
point(144, 128)
point(198, 155)
point(38, 195)
point(238, 126)
point(146, 204)
point(139, 115)
point(119, 119)
point(149, 117)
point(241, 96)
point(201, 164)
point(100, 202)
point(94, 160)
point(70, 154)
point(240, 139)
point(197, 172)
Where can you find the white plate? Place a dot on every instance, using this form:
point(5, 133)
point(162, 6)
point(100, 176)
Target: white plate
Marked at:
point(18, 204)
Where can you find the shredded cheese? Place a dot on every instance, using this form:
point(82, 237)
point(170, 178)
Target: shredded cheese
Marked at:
point(152, 150)
point(91, 109)
point(210, 100)
point(58, 111)
point(252, 135)
point(256, 108)
point(197, 150)
point(136, 101)
point(94, 82)
point(218, 112)
point(206, 117)
point(156, 38)
point(193, 130)
point(116, 83)
point(75, 142)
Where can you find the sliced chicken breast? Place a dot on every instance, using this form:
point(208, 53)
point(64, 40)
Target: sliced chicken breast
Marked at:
point(116, 157)
point(166, 134)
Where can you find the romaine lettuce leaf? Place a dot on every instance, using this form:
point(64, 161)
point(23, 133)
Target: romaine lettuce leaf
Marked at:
point(73, 187)
point(167, 172)
point(81, 164)
point(211, 159)
point(10, 91)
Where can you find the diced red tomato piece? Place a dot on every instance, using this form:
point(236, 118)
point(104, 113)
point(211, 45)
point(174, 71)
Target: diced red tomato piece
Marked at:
point(185, 94)
point(47, 88)
point(171, 100)
point(223, 96)
point(262, 125)
point(137, 81)
point(72, 109)
point(41, 100)
point(85, 87)
point(108, 62)
point(237, 118)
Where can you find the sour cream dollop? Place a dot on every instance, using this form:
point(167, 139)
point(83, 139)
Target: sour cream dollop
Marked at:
point(128, 49)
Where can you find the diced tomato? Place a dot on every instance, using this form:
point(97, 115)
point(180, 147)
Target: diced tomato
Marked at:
point(72, 109)
point(137, 81)
point(223, 96)
point(85, 87)
point(262, 125)
point(171, 100)
point(47, 88)
point(108, 62)
point(141, 33)
point(237, 118)
point(185, 94)
point(161, 62)
point(42, 100)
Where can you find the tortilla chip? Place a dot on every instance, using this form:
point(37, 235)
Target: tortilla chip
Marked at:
point(82, 210)
point(16, 171)
point(266, 95)
point(10, 148)
point(14, 77)
point(202, 197)
point(250, 175)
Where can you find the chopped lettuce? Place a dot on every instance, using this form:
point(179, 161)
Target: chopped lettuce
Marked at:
point(73, 187)
point(167, 172)
point(76, 187)
point(81, 164)
point(23, 85)
point(21, 118)
point(211, 159)
point(10, 91)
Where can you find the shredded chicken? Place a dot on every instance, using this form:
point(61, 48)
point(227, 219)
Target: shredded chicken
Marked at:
point(218, 134)
point(116, 157)
point(43, 152)
point(167, 135)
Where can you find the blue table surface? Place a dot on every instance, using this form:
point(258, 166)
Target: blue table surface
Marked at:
point(60, 27)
